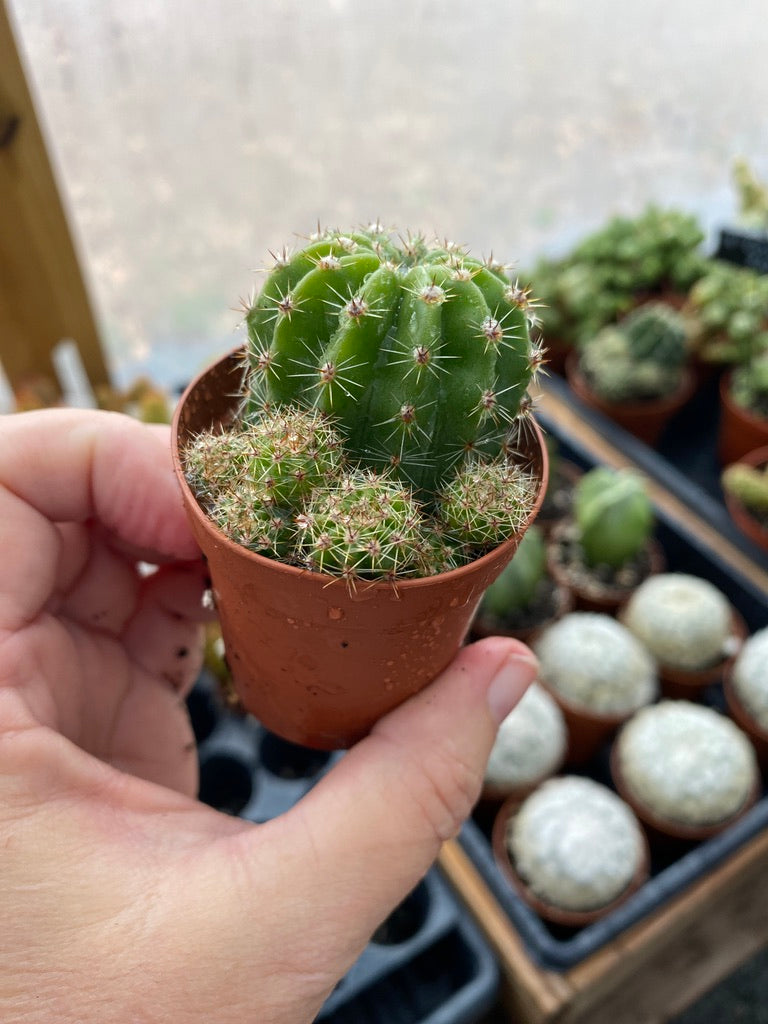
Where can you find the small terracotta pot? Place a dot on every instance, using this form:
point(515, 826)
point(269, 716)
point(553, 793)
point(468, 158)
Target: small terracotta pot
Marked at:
point(665, 828)
point(646, 420)
point(598, 597)
point(688, 684)
point(587, 730)
point(563, 603)
point(740, 431)
point(316, 661)
point(742, 517)
point(557, 915)
point(745, 721)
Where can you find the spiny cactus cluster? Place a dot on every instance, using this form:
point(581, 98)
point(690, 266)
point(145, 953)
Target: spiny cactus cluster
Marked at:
point(613, 514)
point(641, 357)
point(384, 395)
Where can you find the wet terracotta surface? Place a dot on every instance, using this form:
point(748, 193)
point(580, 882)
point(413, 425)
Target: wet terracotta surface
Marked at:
point(317, 662)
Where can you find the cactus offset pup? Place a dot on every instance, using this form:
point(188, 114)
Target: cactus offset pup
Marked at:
point(385, 392)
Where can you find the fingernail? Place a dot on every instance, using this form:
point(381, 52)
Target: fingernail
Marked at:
point(514, 676)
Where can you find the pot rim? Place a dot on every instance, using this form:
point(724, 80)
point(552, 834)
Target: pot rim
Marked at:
point(326, 579)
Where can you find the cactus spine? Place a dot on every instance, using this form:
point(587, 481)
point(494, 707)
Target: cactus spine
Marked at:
point(385, 390)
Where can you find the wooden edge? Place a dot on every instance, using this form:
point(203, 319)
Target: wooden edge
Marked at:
point(537, 995)
point(567, 418)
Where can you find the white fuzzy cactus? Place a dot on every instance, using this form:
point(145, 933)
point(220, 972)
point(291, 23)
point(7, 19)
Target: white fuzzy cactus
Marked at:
point(686, 763)
point(684, 621)
point(575, 844)
point(594, 662)
point(750, 677)
point(530, 743)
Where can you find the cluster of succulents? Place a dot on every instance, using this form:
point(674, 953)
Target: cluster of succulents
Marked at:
point(641, 357)
point(627, 259)
point(385, 395)
point(727, 313)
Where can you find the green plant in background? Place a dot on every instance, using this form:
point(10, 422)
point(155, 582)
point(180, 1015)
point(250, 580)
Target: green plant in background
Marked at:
point(604, 276)
point(727, 313)
point(749, 385)
point(749, 485)
point(614, 516)
point(753, 196)
point(642, 357)
point(384, 395)
point(517, 586)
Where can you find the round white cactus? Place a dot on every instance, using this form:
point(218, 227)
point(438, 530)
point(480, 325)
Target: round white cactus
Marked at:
point(686, 763)
point(594, 662)
point(575, 844)
point(684, 621)
point(750, 677)
point(530, 743)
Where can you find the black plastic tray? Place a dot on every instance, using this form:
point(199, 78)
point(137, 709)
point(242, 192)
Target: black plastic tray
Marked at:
point(427, 963)
point(678, 865)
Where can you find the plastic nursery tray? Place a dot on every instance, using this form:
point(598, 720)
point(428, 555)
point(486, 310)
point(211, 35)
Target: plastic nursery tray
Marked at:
point(677, 865)
point(427, 963)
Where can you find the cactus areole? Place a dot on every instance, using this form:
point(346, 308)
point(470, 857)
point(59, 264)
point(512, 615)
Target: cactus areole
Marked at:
point(420, 354)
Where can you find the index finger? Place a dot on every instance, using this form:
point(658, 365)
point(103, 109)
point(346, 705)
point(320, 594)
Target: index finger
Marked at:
point(70, 465)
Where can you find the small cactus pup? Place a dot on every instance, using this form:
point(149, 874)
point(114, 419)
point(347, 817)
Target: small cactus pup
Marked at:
point(607, 547)
point(524, 599)
point(360, 472)
point(690, 628)
point(745, 488)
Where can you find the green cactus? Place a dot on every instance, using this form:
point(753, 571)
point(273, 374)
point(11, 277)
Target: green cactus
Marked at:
point(613, 514)
point(641, 357)
point(749, 385)
point(518, 584)
point(384, 394)
point(749, 485)
point(420, 354)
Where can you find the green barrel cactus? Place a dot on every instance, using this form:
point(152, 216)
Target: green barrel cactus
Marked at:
point(420, 354)
point(613, 514)
point(384, 397)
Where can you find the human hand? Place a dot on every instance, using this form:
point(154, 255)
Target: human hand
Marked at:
point(123, 898)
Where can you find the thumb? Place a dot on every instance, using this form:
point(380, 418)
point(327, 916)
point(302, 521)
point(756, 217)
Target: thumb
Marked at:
point(378, 819)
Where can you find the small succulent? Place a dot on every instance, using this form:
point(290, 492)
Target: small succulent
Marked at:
point(613, 515)
point(641, 357)
point(518, 584)
point(727, 314)
point(385, 392)
point(684, 621)
point(749, 485)
point(749, 385)
point(753, 196)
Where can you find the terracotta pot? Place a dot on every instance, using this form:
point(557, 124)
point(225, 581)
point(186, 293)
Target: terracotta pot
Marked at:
point(666, 828)
point(587, 730)
point(741, 515)
point(646, 420)
point(486, 625)
point(596, 596)
point(316, 661)
point(740, 431)
point(557, 915)
point(688, 684)
point(757, 734)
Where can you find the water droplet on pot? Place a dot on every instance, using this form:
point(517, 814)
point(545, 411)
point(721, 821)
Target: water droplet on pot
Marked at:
point(335, 613)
